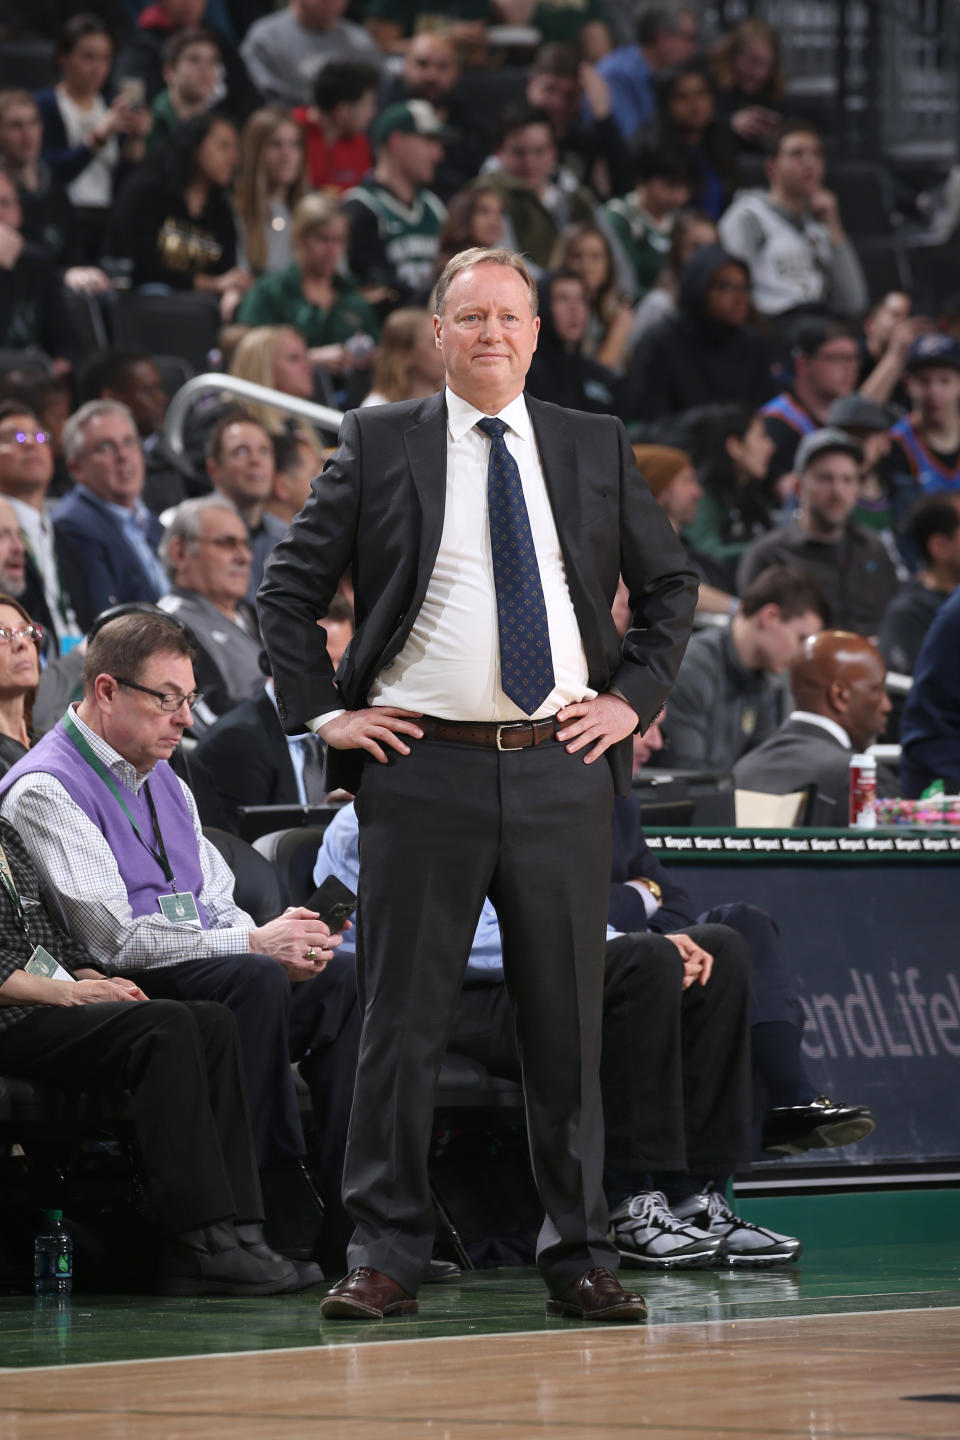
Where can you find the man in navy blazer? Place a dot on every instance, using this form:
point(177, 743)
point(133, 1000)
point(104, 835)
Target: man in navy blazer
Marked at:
point(103, 518)
point(483, 693)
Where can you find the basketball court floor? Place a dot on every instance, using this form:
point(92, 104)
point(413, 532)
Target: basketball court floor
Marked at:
point(861, 1341)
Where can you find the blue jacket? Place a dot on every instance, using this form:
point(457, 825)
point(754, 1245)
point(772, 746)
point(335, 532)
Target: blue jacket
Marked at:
point(111, 567)
point(65, 160)
point(930, 728)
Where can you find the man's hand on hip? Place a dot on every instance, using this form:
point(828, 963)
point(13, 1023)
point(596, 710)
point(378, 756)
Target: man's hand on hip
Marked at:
point(697, 962)
point(371, 730)
point(298, 940)
point(600, 722)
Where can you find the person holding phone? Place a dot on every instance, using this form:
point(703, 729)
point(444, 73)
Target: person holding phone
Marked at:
point(88, 140)
point(117, 841)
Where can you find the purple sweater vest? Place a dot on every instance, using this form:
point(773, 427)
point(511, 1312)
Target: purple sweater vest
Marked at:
point(142, 874)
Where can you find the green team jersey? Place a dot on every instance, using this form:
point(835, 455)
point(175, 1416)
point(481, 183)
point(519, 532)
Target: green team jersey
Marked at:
point(408, 236)
point(644, 245)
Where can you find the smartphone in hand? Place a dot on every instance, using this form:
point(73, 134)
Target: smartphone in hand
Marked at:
point(333, 902)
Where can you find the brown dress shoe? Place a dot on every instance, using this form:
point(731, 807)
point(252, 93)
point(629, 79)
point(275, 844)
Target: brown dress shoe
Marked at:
point(366, 1294)
point(598, 1295)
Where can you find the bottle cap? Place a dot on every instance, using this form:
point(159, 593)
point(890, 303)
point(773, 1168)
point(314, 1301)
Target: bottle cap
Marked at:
point(54, 1215)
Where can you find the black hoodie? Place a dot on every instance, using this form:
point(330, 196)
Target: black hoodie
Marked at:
point(690, 360)
point(567, 378)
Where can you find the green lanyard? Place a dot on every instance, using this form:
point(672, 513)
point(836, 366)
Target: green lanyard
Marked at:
point(98, 767)
point(6, 878)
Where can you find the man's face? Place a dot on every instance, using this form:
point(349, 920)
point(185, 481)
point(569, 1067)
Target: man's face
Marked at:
point(418, 157)
point(662, 194)
point(529, 156)
point(217, 563)
point(797, 167)
point(648, 744)
point(243, 471)
point(135, 725)
point(728, 296)
point(558, 95)
point(356, 116)
point(691, 103)
point(26, 457)
point(339, 635)
point(19, 658)
point(110, 464)
point(430, 68)
point(487, 335)
point(195, 75)
point(13, 556)
point(10, 211)
point(829, 487)
point(292, 485)
point(934, 392)
point(780, 641)
point(292, 371)
point(679, 499)
point(569, 311)
point(141, 390)
point(21, 134)
point(677, 45)
point(832, 370)
point(867, 701)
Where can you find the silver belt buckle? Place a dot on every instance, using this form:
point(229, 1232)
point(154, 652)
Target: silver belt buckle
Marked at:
point(508, 725)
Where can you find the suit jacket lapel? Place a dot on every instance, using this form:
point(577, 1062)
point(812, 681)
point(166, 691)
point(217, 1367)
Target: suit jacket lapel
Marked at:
point(558, 457)
point(426, 447)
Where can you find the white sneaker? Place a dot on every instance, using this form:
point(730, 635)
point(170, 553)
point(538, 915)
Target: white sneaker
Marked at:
point(648, 1235)
point(747, 1244)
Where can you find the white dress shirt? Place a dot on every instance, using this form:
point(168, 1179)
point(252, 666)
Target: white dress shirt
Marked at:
point(450, 663)
point(36, 528)
point(825, 723)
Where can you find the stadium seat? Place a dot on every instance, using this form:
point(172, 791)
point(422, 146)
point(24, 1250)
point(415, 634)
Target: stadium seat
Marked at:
point(258, 888)
point(885, 266)
point(27, 65)
point(180, 323)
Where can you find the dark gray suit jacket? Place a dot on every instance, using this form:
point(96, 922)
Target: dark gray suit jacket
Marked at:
point(799, 755)
point(378, 507)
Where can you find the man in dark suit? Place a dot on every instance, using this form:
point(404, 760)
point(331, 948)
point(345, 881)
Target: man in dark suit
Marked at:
point(104, 518)
point(841, 707)
point(484, 573)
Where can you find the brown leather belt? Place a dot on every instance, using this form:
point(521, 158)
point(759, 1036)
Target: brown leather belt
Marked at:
point(509, 735)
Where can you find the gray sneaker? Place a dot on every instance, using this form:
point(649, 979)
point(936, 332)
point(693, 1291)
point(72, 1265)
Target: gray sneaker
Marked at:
point(746, 1243)
point(648, 1235)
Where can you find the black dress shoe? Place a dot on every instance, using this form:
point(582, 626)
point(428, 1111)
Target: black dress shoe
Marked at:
point(212, 1261)
point(820, 1125)
point(598, 1295)
point(306, 1272)
point(366, 1294)
point(442, 1272)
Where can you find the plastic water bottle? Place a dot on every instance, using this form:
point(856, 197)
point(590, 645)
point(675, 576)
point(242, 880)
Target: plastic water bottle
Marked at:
point(53, 1258)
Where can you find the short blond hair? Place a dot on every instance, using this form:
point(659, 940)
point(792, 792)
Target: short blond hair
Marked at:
point(315, 210)
point(478, 255)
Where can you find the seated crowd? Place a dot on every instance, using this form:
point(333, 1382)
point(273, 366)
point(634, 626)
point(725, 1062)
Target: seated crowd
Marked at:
point(303, 178)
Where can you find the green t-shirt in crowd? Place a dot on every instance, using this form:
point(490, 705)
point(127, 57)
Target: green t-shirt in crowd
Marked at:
point(279, 300)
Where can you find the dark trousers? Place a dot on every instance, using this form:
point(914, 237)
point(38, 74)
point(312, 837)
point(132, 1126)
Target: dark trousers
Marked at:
point(440, 829)
point(314, 1021)
point(181, 1064)
point(774, 994)
point(675, 1069)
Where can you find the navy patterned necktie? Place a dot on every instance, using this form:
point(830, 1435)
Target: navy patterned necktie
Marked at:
point(526, 664)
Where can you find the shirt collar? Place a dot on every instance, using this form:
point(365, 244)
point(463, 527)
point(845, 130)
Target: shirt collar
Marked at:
point(113, 760)
point(137, 512)
point(825, 723)
point(462, 416)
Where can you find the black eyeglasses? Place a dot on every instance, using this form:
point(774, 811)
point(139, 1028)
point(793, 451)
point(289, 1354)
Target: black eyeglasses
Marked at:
point(167, 701)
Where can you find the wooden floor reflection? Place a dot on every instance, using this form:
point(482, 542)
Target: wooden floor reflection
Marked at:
point(872, 1376)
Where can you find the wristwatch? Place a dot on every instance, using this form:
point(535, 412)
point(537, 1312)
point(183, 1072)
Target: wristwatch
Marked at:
point(655, 890)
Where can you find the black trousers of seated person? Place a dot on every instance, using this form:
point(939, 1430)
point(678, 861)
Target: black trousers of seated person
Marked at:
point(675, 1064)
point(181, 1065)
point(316, 1022)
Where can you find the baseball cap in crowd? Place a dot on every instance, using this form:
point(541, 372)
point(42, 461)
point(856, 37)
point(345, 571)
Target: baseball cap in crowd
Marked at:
point(409, 117)
point(822, 442)
point(858, 412)
point(928, 350)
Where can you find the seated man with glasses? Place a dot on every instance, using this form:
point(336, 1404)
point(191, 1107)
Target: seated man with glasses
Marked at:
point(117, 842)
point(103, 518)
point(207, 556)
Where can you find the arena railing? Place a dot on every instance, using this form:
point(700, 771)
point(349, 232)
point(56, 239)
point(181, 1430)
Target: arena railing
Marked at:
point(321, 416)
